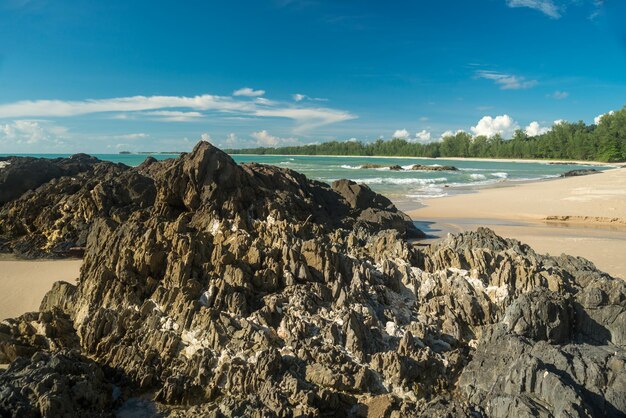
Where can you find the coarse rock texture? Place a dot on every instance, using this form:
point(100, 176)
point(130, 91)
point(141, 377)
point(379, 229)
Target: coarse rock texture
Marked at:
point(580, 172)
point(20, 174)
point(61, 384)
point(433, 167)
point(252, 291)
point(58, 215)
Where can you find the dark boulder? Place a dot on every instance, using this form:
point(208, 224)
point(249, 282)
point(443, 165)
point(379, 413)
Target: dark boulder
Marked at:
point(580, 172)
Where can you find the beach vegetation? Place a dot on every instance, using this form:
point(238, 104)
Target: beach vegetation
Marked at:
point(605, 141)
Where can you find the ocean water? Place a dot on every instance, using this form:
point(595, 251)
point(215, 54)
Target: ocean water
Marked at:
point(404, 187)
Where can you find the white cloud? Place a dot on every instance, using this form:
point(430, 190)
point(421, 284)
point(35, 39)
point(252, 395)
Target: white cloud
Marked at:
point(423, 136)
point(401, 134)
point(231, 139)
point(248, 92)
point(169, 108)
point(308, 118)
point(450, 133)
point(205, 137)
point(264, 101)
point(488, 126)
point(139, 135)
point(598, 118)
point(559, 95)
point(21, 132)
point(352, 140)
point(546, 7)
point(506, 81)
point(32, 136)
point(61, 108)
point(265, 139)
point(300, 97)
point(174, 115)
point(534, 129)
point(558, 122)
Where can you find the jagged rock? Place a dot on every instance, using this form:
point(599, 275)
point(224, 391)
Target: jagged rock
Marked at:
point(56, 218)
point(63, 384)
point(541, 315)
point(223, 290)
point(21, 174)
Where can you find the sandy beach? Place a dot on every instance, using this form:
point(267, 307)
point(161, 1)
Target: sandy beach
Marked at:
point(583, 216)
point(23, 283)
point(497, 160)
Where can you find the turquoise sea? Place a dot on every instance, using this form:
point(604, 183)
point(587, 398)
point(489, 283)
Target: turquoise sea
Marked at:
point(403, 187)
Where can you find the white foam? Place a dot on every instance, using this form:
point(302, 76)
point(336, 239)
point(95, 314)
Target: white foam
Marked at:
point(478, 177)
point(381, 180)
point(4, 164)
point(351, 167)
point(426, 196)
point(501, 175)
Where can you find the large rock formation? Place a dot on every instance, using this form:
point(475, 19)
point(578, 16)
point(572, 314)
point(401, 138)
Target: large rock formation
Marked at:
point(212, 289)
point(57, 216)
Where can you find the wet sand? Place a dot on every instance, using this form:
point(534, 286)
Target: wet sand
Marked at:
point(581, 216)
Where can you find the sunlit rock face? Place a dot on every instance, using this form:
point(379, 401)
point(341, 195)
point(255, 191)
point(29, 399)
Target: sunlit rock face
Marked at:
point(213, 289)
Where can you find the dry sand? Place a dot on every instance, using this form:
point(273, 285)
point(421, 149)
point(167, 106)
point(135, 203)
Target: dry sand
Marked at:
point(591, 213)
point(24, 283)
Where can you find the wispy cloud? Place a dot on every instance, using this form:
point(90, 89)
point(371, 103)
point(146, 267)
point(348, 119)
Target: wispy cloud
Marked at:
point(308, 118)
point(546, 7)
point(559, 95)
point(174, 115)
point(300, 97)
point(248, 92)
point(506, 81)
point(62, 108)
point(176, 109)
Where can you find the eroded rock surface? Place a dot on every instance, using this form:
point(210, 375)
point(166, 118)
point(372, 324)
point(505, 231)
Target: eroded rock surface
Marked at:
point(251, 291)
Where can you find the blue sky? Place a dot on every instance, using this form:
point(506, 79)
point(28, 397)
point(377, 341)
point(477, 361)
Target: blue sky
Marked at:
point(100, 76)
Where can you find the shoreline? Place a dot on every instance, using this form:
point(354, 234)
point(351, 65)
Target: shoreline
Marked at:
point(495, 160)
point(581, 216)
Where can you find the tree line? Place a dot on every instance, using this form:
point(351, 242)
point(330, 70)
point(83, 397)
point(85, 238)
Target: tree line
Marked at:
point(605, 141)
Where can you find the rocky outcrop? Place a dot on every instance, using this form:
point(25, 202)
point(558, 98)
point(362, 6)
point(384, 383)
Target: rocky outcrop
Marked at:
point(419, 167)
point(252, 291)
point(374, 211)
point(57, 216)
point(422, 167)
point(580, 172)
point(21, 174)
point(370, 166)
